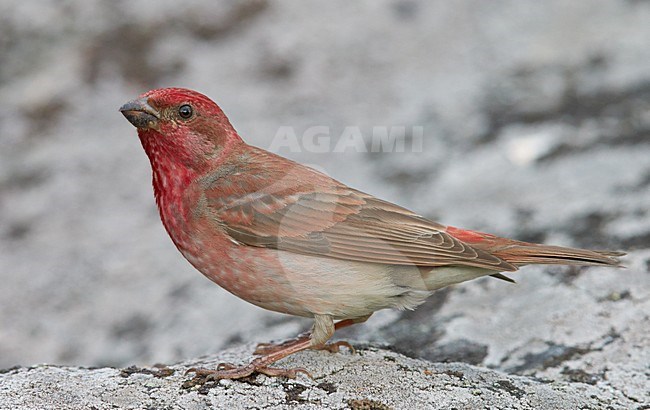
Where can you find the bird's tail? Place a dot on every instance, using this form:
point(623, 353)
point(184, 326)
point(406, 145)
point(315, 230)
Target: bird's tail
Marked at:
point(519, 253)
point(523, 253)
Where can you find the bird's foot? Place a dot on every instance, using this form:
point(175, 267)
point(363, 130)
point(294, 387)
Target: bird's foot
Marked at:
point(269, 348)
point(270, 353)
point(231, 371)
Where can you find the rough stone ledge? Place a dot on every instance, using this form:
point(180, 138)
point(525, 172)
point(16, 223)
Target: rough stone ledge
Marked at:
point(373, 378)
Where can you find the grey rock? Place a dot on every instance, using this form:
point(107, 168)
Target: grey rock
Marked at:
point(370, 379)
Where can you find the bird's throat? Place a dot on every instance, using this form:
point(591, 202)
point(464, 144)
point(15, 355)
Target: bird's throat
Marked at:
point(171, 180)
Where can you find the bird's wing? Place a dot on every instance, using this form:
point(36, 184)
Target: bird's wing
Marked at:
point(306, 212)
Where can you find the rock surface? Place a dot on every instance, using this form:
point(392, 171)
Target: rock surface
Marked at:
point(535, 120)
point(370, 379)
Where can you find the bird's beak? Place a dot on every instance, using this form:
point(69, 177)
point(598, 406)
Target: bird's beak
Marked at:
point(141, 114)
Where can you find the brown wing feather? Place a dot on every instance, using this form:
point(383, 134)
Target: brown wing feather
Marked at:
point(326, 218)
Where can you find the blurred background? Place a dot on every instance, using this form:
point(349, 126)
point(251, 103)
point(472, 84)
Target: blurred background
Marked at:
point(536, 125)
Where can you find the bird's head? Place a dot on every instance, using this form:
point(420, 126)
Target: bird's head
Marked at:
point(180, 125)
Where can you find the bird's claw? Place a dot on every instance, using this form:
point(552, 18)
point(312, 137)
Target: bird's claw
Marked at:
point(226, 366)
point(230, 371)
point(288, 373)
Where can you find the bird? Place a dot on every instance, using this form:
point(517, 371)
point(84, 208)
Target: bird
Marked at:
point(291, 239)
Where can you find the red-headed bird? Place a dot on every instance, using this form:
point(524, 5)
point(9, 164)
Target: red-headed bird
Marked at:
point(290, 239)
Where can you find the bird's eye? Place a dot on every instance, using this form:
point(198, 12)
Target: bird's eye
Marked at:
point(185, 111)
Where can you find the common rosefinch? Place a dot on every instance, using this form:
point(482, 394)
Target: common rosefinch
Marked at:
point(288, 238)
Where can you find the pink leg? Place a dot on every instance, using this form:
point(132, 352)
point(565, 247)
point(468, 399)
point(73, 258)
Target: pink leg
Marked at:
point(271, 354)
point(335, 347)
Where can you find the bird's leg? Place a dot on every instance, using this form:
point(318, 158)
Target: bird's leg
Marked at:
point(267, 348)
point(334, 347)
point(323, 329)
